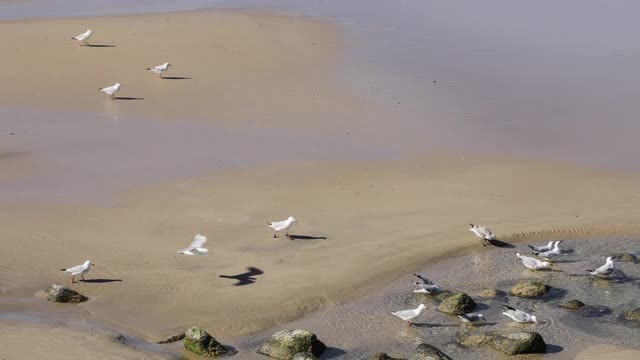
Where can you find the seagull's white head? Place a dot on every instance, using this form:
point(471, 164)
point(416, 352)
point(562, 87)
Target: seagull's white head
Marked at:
point(518, 254)
point(610, 259)
point(87, 263)
point(167, 64)
point(422, 306)
point(292, 219)
point(534, 318)
point(89, 32)
point(118, 85)
point(481, 316)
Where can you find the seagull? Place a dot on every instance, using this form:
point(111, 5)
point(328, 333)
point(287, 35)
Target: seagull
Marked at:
point(282, 226)
point(111, 90)
point(542, 248)
point(83, 37)
point(605, 269)
point(196, 246)
point(551, 254)
point(471, 317)
point(411, 314)
point(482, 232)
point(160, 69)
point(79, 270)
point(533, 263)
point(518, 315)
point(426, 286)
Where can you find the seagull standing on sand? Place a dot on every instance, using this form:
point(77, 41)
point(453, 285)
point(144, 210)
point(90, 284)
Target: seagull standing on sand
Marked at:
point(533, 263)
point(518, 315)
point(542, 248)
point(111, 90)
point(160, 69)
point(551, 254)
point(426, 286)
point(83, 37)
point(471, 317)
point(482, 232)
point(282, 226)
point(196, 246)
point(411, 314)
point(79, 270)
point(605, 269)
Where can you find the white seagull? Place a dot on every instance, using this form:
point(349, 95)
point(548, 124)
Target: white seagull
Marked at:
point(471, 317)
point(542, 248)
point(111, 90)
point(284, 225)
point(533, 263)
point(518, 315)
point(160, 69)
point(83, 37)
point(605, 269)
point(411, 314)
point(196, 246)
point(426, 286)
point(482, 232)
point(551, 254)
point(79, 270)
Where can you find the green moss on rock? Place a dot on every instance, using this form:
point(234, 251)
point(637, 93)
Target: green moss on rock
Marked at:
point(428, 352)
point(285, 344)
point(530, 289)
point(201, 343)
point(521, 342)
point(457, 303)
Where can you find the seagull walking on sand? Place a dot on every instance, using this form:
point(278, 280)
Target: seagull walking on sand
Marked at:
point(551, 254)
point(111, 90)
point(284, 225)
point(482, 232)
point(605, 269)
point(533, 263)
point(160, 69)
point(518, 315)
point(83, 37)
point(426, 286)
point(196, 246)
point(542, 248)
point(79, 270)
point(471, 318)
point(408, 315)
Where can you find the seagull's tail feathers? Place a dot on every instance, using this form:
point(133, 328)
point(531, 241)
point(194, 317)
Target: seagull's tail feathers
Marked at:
point(63, 269)
point(590, 270)
point(74, 38)
point(148, 69)
point(532, 248)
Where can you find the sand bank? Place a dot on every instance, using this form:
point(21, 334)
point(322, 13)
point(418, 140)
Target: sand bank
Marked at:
point(228, 66)
point(381, 221)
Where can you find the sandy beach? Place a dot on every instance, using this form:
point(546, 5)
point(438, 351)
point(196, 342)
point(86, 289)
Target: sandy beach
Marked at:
point(262, 116)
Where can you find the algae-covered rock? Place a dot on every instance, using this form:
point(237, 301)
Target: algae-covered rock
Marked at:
point(428, 352)
point(571, 304)
point(62, 294)
point(520, 342)
point(442, 296)
point(626, 257)
point(457, 303)
point(304, 356)
point(383, 356)
point(489, 293)
point(530, 289)
point(201, 343)
point(285, 344)
point(632, 315)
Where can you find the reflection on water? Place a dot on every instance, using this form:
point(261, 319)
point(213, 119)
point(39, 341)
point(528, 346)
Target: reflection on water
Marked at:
point(365, 326)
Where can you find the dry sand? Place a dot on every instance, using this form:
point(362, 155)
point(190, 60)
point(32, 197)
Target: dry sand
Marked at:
point(244, 67)
point(380, 220)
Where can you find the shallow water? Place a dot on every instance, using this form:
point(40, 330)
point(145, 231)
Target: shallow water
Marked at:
point(364, 327)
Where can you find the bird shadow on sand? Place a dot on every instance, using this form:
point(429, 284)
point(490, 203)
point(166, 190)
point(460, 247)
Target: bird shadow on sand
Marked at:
point(100, 281)
point(306, 237)
point(175, 78)
point(128, 98)
point(500, 244)
point(245, 278)
point(429, 325)
point(99, 46)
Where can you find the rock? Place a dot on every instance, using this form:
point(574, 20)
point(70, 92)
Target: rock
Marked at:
point(285, 344)
point(529, 289)
point(474, 340)
point(172, 339)
point(442, 296)
point(520, 342)
point(571, 304)
point(458, 303)
point(201, 343)
point(589, 311)
point(304, 356)
point(62, 294)
point(626, 257)
point(383, 356)
point(632, 315)
point(428, 352)
point(489, 293)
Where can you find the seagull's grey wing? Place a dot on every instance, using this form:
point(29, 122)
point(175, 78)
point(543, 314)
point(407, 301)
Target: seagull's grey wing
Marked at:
point(529, 261)
point(198, 241)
